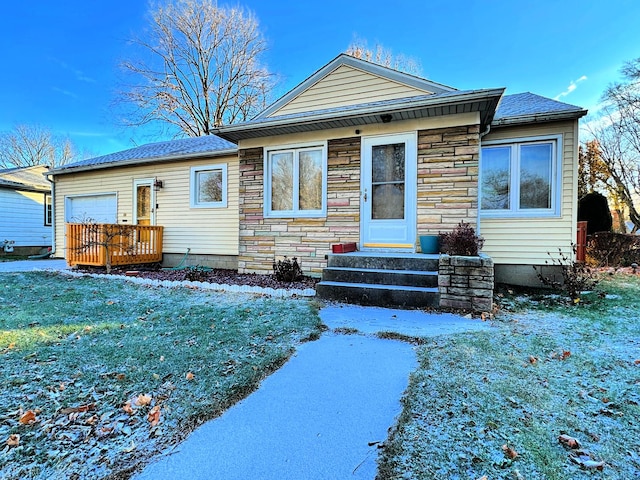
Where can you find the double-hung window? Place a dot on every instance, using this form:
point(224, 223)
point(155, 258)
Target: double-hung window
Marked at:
point(520, 178)
point(209, 186)
point(295, 182)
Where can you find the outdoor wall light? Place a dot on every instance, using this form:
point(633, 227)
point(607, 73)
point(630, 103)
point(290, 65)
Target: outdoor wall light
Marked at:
point(157, 185)
point(386, 118)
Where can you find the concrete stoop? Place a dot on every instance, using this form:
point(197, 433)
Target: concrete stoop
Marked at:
point(381, 279)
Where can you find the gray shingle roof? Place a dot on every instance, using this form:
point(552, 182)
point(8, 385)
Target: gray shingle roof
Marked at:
point(528, 104)
point(169, 150)
point(26, 178)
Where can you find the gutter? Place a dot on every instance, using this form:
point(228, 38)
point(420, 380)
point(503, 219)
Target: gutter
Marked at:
point(539, 118)
point(145, 161)
point(53, 212)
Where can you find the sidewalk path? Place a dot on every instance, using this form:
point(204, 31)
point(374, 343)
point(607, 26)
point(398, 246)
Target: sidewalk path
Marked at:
point(321, 415)
point(30, 265)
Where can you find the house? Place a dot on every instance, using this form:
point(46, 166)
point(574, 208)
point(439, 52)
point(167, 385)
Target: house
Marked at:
point(355, 153)
point(25, 210)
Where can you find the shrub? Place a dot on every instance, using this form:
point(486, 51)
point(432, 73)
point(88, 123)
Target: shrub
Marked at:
point(577, 277)
point(613, 249)
point(287, 270)
point(462, 240)
point(195, 273)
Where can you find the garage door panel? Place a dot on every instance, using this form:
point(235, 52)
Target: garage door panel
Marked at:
point(99, 208)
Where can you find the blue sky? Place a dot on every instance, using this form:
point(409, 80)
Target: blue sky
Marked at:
point(60, 59)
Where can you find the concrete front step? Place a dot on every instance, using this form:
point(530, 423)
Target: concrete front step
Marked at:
point(386, 261)
point(378, 276)
point(380, 295)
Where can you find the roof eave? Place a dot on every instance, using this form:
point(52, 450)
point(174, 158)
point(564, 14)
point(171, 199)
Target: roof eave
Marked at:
point(234, 133)
point(539, 118)
point(142, 161)
point(24, 188)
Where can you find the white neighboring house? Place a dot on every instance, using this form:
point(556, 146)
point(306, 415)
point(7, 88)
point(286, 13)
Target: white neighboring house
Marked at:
point(25, 210)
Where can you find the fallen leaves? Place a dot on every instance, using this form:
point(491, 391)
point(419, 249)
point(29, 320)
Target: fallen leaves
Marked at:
point(509, 452)
point(80, 409)
point(13, 440)
point(143, 400)
point(568, 441)
point(578, 455)
point(154, 416)
point(190, 376)
point(28, 418)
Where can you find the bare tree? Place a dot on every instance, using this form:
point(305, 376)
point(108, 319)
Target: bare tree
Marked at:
point(28, 145)
point(383, 56)
point(202, 70)
point(620, 166)
point(617, 147)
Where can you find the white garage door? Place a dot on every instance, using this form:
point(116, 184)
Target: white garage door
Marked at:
point(99, 208)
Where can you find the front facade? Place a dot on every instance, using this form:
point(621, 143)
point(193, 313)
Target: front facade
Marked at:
point(25, 210)
point(407, 158)
point(356, 153)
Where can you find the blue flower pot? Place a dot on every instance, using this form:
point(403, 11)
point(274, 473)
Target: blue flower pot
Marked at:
point(430, 243)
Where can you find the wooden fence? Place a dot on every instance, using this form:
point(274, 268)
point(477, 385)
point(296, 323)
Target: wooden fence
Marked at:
point(89, 244)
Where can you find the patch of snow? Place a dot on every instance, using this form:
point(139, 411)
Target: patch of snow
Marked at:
point(272, 292)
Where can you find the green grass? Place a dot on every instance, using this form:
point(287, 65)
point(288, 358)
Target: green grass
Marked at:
point(474, 393)
point(71, 342)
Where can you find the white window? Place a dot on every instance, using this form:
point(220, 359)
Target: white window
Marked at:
point(209, 186)
point(296, 182)
point(521, 177)
point(48, 210)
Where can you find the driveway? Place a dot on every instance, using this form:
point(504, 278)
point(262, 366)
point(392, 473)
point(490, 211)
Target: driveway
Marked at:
point(29, 265)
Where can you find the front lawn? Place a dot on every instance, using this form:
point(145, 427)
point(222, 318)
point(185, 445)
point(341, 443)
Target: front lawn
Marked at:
point(100, 375)
point(494, 404)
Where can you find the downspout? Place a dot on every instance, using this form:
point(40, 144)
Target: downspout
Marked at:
point(53, 213)
point(482, 134)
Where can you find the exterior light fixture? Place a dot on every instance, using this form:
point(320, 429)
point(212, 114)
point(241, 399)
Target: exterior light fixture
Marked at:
point(386, 117)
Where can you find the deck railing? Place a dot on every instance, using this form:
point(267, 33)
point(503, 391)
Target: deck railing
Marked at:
point(90, 243)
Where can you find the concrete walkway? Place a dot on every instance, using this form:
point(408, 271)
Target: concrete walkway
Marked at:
point(29, 265)
point(322, 415)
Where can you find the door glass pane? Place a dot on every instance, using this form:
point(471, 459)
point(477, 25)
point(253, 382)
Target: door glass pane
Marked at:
point(387, 186)
point(387, 201)
point(535, 175)
point(388, 163)
point(282, 181)
point(143, 207)
point(496, 173)
point(310, 191)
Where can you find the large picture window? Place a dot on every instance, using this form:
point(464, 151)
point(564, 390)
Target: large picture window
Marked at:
point(209, 186)
point(520, 178)
point(295, 182)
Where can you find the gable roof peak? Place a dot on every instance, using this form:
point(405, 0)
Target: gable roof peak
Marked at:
point(345, 59)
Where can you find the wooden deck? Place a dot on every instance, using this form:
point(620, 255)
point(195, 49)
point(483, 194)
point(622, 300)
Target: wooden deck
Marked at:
point(89, 244)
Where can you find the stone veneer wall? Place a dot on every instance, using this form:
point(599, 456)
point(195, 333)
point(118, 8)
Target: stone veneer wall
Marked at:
point(466, 282)
point(308, 239)
point(447, 178)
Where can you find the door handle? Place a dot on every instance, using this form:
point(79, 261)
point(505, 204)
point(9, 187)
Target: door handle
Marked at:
point(364, 196)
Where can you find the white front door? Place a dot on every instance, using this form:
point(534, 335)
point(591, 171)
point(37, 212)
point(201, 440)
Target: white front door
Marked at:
point(388, 192)
point(144, 202)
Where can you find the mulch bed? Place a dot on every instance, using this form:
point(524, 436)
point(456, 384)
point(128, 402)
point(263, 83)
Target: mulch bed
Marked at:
point(220, 276)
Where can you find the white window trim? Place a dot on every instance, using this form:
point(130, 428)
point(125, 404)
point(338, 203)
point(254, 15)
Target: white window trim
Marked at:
point(514, 185)
point(48, 220)
point(193, 203)
point(295, 213)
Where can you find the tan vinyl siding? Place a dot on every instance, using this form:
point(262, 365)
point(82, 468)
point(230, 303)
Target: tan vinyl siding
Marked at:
point(208, 231)
point(527, 240)
point(347, 86)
